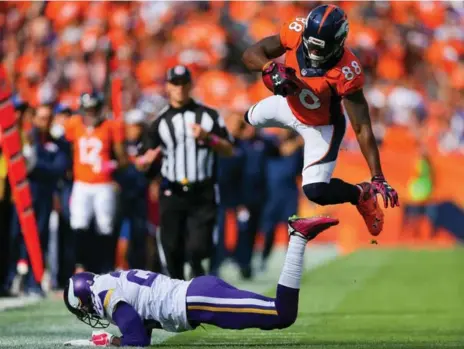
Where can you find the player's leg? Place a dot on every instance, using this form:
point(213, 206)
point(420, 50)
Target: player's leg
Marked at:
point(248, 220)
point(172, 233)
point(219, 251)
point(322, 144)
point(270, 220)
point(104, 206)
point(81, 211)
point(138, 219)
point(213, 301)
point(320, 156)
point(272, 111)
point(201, 221)
point(321, 148)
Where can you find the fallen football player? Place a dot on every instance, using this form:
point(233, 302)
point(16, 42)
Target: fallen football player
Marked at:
point(138, 301)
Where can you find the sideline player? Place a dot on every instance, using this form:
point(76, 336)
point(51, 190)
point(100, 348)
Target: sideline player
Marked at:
point(94, 139)
point(319, 73)
point(138, 301)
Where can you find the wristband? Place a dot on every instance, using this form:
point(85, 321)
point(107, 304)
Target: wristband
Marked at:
point(379, 177)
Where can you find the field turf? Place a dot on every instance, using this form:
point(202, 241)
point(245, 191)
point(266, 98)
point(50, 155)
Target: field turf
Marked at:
point(370, 299)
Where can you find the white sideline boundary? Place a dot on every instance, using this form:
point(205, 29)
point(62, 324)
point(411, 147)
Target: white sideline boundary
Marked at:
point(18, 302)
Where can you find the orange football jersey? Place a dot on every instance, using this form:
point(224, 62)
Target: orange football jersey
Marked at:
point(318, 100)
point(92, 147)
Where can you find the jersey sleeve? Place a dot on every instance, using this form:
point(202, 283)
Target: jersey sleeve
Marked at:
point(131, 326)
point(111, 300)
point(118, 131)
point(220, 129)
point(290, 32)
point(154, 139)
point(351, 76)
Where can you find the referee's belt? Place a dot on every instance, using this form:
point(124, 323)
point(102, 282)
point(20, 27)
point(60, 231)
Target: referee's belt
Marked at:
point(180, 188)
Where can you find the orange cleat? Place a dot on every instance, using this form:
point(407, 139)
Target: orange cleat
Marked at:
point(369, 209)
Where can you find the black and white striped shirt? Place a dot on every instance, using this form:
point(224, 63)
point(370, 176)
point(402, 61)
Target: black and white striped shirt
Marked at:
point(185, 160)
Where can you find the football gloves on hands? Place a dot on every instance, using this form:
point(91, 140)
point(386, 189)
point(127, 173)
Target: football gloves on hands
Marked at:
point(381, 187)
point(99, 339)
point(280, 79)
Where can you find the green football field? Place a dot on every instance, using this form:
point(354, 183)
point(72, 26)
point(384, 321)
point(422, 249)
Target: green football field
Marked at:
point(370, 299)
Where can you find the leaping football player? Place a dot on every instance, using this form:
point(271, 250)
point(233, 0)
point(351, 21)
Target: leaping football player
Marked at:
point(319, 73)
point(138, 301)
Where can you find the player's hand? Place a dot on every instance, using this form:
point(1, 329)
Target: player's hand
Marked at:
point(108, 167)
point(381, 187)
point(281, 78)
point(30, 155)
point(101, 338)
point(198, 132)
point(147, 158)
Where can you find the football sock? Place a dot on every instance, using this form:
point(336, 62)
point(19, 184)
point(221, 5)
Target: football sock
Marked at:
point(332, 193)
point(286, 303)
point(293, 265)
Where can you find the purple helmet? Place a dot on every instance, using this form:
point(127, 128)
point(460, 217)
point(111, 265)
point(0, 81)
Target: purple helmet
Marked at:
point(78, 300)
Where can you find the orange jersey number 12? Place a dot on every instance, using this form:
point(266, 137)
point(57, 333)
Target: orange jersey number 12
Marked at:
point(90, 152)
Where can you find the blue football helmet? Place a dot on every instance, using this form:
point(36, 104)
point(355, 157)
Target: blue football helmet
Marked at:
point(78, 299)
point(325, 32)
point(91, 104)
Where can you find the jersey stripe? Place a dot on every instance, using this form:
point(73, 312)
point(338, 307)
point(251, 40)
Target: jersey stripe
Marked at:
point(230, 301)
point(233, 310)
point(327, 12)
point(106, 302)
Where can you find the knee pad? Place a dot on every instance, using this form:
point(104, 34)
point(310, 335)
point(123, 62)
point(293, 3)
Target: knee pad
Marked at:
point(316, 192)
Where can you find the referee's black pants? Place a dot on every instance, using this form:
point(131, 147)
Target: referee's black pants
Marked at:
point(187, 221)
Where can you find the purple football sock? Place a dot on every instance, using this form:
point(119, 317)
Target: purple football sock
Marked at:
point(286, 303)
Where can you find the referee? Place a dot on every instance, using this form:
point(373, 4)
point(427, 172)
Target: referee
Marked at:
point(191, 136)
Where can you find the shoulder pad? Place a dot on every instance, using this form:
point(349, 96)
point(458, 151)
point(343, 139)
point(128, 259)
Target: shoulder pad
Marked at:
point(290, 32)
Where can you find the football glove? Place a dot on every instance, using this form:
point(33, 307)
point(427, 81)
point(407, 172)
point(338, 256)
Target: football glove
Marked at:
point(381, 187)
point(280, 79)
point(101, 338)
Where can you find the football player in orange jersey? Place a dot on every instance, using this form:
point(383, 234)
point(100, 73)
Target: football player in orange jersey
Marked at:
point(319, 73)
point(94, 140)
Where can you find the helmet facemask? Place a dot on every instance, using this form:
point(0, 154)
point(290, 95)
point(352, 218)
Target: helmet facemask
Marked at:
point(318, 52)
point(84, 312)
point(322, 47)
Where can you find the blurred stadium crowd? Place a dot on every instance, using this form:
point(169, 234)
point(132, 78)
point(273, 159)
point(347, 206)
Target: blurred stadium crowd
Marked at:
point(412, 54)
